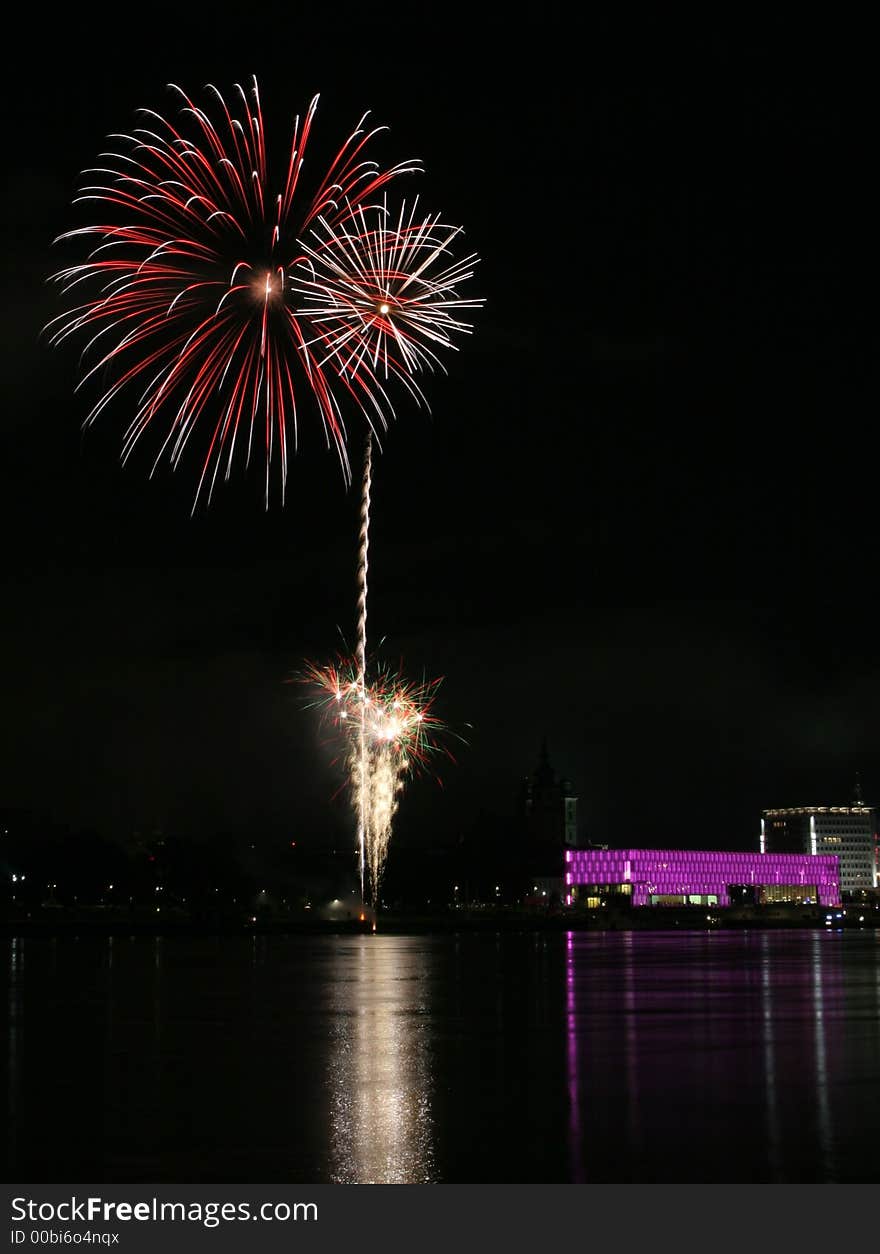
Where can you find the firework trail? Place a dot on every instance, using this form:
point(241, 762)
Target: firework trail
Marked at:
point(363, 563)
point(382, 293)
point(390, 721)
point(187, 297)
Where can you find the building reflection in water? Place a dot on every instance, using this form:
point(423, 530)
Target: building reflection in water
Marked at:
point(768, 1037)
point(379, 1070)
point(602, 1016)
point(676, 1043)
point(799, 994)
point(821, 975)
point(631, 1020)
point(575, 1135)
point(14, 1042)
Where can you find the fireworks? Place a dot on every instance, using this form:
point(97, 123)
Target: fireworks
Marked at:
point(384, 291)
point(190, 303)
point(389, 732)
point(216, 302)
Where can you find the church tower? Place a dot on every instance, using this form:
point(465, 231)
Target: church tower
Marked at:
point(548, 807)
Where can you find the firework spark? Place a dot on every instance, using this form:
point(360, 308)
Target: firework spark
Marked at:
point(401, 734)
point(189, 292)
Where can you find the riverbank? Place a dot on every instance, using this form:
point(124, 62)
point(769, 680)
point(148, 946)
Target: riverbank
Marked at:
point(66, 922)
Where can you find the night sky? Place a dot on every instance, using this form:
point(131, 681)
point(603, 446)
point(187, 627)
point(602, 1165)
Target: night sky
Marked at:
point(640, 520)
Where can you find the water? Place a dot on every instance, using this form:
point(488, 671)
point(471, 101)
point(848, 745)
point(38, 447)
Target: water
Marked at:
point(645, 1056)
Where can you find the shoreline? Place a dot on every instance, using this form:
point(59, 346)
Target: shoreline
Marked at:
point(657, 919)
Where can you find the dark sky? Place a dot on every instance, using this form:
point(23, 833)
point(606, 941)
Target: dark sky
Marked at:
point(640, 521)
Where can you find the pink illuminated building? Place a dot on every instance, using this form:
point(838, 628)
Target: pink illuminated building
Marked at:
point(694, 877)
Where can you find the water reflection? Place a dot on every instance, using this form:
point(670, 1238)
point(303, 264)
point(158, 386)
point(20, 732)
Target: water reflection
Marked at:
point(680, 1047)
point(654, 1057)
point(771, 1101)
point(823, 1106)
point(572, 1057)
point(14, 1010)
point(631, 1019)
point(379, 1073)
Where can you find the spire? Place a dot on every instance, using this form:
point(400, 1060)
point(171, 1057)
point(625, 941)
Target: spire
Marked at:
point(545, 776)
point(857, 792)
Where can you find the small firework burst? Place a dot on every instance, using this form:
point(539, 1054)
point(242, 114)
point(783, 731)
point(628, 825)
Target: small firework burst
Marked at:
point(389, 732)
point(397, 713)
point(384, 291)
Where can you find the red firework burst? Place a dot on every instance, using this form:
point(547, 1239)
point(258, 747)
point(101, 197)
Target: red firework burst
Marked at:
point(190, 298)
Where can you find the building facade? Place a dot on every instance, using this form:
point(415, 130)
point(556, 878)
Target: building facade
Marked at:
point(675, 877)
point(847, 831)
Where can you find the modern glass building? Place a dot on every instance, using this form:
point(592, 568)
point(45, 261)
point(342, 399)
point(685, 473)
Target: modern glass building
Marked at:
point(667, 877)
point(848, 831)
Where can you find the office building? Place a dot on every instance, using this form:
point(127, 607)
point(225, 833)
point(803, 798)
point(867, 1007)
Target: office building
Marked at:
point(847, 831)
